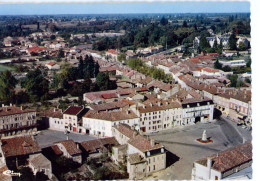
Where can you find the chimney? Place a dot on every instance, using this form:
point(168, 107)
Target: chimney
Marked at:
point(77, 145)
point(11, 104)
point(134, 134)
point(151, 104)
point(152, 142)
point(159, 103)
point(21, 108)
point(209, 162)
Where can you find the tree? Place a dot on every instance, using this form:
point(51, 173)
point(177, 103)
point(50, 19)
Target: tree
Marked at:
point(52, 37)
point(248, 64)
point(217, 65)
point(204, 44)
point(232, 42)
point(102, 81)
point(164, 21)
point(121, 57)
point(7, 85)
point(241, 46)
point(61, 53)
point(226, 68)
point(36, 85)
point(185, 25)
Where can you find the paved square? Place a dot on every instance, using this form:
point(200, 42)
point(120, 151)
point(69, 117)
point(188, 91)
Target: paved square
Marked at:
point(48, 137)
point(182, 142)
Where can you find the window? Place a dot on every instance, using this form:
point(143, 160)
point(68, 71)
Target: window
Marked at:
point(154, 167)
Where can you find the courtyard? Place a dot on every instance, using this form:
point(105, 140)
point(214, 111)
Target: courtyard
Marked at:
point(181, 142)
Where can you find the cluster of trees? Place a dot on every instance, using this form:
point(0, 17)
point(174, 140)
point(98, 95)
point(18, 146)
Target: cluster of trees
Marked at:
point(153, 72)
point(36, 86)
point(235, 81)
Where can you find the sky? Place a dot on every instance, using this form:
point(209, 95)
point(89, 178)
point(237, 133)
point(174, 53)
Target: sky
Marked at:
point(121, 8)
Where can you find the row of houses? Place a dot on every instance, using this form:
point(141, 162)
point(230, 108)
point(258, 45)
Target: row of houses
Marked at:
point(141, 155)
point(152, 115)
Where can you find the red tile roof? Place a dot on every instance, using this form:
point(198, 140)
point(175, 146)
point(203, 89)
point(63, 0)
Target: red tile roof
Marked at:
point(73, 110)
point(112, 51)
point(70, 146)
point(51, 63)
point(109, 95)
point(125, 130)
point(143, 144)
point(56, 150)
point(111, 116)
point(36, 49)
point(210, 69)
point(22, 145)
point(230, 158)
point(94, 145)
point(136, 140)
point(11, 110)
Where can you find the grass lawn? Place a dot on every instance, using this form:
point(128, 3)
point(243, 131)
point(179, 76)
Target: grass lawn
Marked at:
point(4, 67)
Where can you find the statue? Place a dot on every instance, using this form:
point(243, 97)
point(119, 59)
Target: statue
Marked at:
point(204, 136)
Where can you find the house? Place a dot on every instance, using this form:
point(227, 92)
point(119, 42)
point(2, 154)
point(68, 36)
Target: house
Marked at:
point(112, 53)
point(72, 118)
point(197, 110)
point(130, 54)
point(144, 156)
point(227, 164)
point(54, 119)
point(95, 148)
point(239, 104)
point(101, 123)
point(17, 120)
point(52, 66)
point(157, 115)
point(233, 63)
point(39, 163)
point(70, 149)
point(95, 97)
point(16, 150)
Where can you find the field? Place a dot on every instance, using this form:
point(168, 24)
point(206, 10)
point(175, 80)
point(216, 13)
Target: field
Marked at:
point(4, 67)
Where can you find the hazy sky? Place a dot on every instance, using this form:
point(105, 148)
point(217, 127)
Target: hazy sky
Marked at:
point(114, 8)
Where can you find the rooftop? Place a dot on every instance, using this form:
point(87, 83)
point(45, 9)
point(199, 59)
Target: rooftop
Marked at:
point(22, 145)
point(230, 158)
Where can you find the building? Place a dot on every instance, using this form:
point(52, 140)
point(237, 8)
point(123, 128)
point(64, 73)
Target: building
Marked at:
point(225, 164)
point(17, 120)
point(39, 163)
point(144, 156)
point(52, 66)
point(72, 118)
point(16, 150)
point(197, 110)
point(159, 115)
point(233, 63)
point(95, 148)
point(70, 149)
point(53, 119)
point(112, 53)
point(101, 123)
